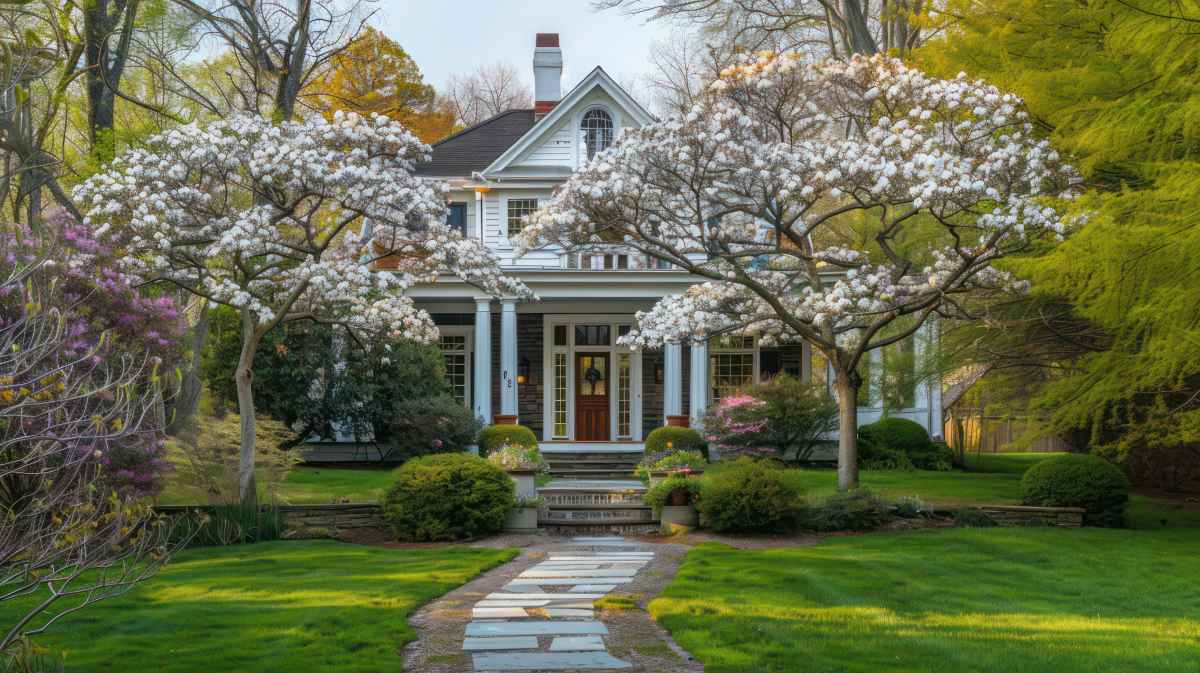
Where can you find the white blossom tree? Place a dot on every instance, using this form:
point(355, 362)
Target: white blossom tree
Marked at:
point(285, 223)
point(749, 189)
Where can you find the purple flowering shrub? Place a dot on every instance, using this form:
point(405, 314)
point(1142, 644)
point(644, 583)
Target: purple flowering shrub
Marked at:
point(782, 418)
point(104, 329)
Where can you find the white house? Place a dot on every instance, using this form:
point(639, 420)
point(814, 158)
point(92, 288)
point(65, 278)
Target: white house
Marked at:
point(554, 363)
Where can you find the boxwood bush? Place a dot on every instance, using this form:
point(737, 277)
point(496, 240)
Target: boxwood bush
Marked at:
point(680, 439)
point(448, 496)
point(898, 443)
point(495, 436)
point(1079, 480)
point(749, 495)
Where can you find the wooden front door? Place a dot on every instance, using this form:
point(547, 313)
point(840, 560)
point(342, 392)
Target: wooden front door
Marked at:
point(591, 397)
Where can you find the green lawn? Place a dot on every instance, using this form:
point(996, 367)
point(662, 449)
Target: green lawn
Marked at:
point(276, 607)
point(993, 479)
point(944, 601)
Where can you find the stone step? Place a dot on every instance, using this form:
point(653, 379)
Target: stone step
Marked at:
point(596, 515)
point(586, 473)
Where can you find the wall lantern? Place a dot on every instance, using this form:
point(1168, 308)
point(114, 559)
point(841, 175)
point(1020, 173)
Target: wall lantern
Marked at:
point(658, 371)
point(523, 371)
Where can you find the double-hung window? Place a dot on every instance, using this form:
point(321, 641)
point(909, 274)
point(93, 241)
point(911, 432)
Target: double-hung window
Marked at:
point(518, 210)
point(731, 365)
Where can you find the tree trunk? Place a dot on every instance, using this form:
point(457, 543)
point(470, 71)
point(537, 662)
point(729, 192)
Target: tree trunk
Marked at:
point(191, 387)
point(846, 386)
point(244, 377)
point(859, 33)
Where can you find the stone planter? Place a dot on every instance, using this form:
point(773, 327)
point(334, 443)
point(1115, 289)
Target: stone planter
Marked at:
point(659, 475)
point(526, 483)
point(679, 421)
point(678, 519)
point(505, 419)
point(522, 519)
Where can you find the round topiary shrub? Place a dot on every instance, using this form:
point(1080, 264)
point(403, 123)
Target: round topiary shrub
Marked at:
point(1079, 480)
point(669, 439)
point(749, 495)
point(898, 443)
point(495, 436)
point(448, 496)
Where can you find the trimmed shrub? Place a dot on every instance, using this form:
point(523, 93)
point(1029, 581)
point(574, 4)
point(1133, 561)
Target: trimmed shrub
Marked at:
point(448, 496)
point(860, 509)
point(910, 507)
point(660, 494)
point(898, 443)
point(428, 425)
point(495, 436)
point(680, 439)
point(1079, 480)
point(749, 495)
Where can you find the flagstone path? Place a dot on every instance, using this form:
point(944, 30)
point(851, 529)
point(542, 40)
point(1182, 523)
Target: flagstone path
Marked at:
point(538, 614)
point(543, 619)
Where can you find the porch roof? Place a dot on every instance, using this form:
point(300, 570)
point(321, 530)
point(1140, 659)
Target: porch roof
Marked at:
point(572, 284)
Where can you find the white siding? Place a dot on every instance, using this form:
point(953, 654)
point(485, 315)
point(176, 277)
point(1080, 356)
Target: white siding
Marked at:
point(557, 149)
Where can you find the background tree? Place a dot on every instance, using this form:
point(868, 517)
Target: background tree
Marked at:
point(486, 91)
point(837, 28)
point(746, 189)
point(1103, 350)
point(374, 75)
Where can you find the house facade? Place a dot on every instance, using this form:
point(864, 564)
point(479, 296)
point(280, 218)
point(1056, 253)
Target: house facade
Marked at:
point(554, 363)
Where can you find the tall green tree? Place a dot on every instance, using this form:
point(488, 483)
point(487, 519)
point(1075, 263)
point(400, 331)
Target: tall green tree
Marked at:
point(1114, 314)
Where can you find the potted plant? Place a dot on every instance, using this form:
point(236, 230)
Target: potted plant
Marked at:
point(524, 516)
point(674, 500)
point(523, 464)
point(691, 461)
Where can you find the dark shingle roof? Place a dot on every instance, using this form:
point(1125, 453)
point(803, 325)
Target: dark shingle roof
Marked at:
point(476, 147)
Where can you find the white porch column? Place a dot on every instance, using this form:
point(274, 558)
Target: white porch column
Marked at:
point(933, 364)
point(483, 359)
point(508, 357)
point(672, 380)
point(699, 382)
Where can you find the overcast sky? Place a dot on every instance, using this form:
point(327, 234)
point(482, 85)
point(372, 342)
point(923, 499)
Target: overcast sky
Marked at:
point(453, 36)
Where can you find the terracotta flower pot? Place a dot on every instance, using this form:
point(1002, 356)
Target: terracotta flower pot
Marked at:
point(679, 497)
point(678, 421)
point(505, 419)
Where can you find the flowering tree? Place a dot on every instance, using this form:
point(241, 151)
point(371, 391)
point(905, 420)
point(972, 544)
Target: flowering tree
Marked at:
point(754, 187)
point(285, 223)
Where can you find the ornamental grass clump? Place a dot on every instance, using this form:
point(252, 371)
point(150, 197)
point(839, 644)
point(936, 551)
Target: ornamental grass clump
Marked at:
point(446, 497)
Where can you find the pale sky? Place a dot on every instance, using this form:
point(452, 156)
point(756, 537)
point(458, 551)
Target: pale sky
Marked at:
point(453, 36)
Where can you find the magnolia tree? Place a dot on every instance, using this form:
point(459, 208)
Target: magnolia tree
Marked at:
point(286, 223)
point(755, 188)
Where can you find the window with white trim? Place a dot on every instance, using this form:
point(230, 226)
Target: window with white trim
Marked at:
point(597, 129)
point(731, 366)
point(518, 210)
point(457, 357)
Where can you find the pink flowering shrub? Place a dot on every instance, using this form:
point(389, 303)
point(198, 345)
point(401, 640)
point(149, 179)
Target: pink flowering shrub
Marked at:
point(782, 418)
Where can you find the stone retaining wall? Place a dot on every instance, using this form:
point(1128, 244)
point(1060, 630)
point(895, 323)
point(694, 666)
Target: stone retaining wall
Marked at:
point(1020, 515)
point(336, 516)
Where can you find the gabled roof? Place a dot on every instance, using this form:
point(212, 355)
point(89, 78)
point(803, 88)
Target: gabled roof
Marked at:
point(596, 78)
point(476, 147)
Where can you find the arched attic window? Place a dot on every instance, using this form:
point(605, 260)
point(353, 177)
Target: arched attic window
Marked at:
point(597, 128)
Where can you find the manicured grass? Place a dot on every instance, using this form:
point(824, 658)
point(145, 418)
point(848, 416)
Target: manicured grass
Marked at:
point(995, 600)
point(1013, 463)
point(271, 607)
point(303, 486)
point(1000, 484)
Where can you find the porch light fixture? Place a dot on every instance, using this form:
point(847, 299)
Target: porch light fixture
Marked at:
point(523, 371)
point(658, 371)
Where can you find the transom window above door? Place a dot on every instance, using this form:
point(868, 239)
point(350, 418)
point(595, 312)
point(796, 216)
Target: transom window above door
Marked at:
point(518, 210)
point(593, 335)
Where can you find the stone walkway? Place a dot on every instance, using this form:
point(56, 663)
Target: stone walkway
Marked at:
point(543, 619)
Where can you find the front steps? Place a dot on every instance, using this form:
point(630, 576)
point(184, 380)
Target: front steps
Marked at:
point(593, 505)
point(618, 465)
